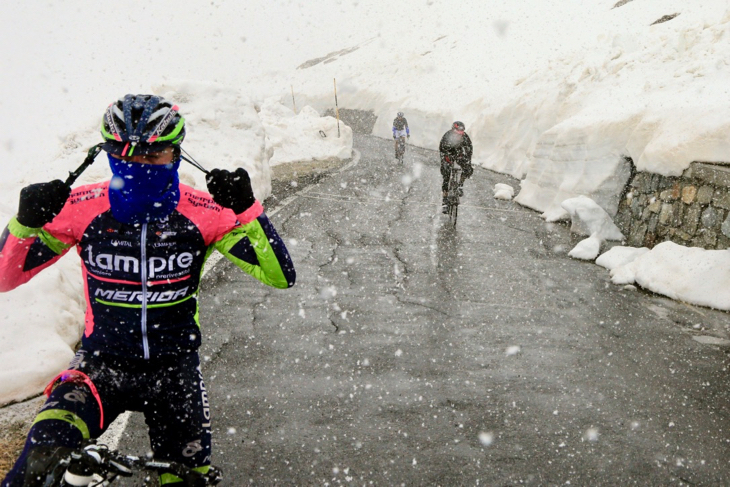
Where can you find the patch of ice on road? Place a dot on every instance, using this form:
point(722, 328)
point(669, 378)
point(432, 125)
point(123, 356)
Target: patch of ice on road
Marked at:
point(709, 340)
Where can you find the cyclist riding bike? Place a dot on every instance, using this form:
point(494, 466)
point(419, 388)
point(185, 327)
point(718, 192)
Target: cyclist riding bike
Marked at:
point(455, 147)
point(143, 238)
point(400, 129)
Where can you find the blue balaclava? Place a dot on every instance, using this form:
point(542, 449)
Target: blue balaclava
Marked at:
point(141, 193)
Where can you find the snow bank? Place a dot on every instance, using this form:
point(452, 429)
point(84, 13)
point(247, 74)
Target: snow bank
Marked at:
point(586, 249)
point(683, 273)
point(42, 322)
point(503, 191)
point(223, 130)
point(289, 136)
point(616, 260)
point(620, 256)
point(657, 94)
point(587, 218)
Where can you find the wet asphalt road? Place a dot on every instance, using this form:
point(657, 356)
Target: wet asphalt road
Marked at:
point(412, 354)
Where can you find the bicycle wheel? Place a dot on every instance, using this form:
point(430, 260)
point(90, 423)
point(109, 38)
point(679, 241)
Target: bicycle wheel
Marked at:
point(400, 150)
point(453, 212)
point(452, 195)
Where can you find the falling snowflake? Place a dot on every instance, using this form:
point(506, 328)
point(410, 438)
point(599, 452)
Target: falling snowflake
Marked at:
point(591, 434)
point(328, 292)
point(486, 438)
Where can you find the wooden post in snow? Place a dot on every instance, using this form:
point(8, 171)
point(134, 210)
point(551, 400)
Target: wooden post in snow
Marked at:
point(337, 109)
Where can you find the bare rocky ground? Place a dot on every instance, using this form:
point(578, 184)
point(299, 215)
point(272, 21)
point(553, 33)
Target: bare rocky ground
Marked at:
point(15, 420)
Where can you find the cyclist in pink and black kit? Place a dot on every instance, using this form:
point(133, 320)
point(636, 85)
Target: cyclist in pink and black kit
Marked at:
point(143, 238)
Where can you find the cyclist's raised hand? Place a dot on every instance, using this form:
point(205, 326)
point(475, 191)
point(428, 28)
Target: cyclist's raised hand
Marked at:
point(231, 189)
point(40, 203)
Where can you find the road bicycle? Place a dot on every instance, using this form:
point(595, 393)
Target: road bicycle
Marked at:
point(400, 149)
point(453, 194)
point(97, 465)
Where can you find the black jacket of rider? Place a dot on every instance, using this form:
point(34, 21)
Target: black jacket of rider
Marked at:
point(400, 123)
point(457, 147)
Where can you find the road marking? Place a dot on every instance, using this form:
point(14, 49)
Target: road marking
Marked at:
point(112, 435)
point(354, 162)
point(290, 199)
point(433, 246)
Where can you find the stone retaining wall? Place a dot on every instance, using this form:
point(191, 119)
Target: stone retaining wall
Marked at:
point(692, 210)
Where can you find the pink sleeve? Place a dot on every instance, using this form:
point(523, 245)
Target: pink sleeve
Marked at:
point(251, 214)
point(213, 221)
point(84, 204)
point(57, 237)
point(12, 262)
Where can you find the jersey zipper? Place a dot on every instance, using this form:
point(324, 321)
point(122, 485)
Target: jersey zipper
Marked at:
point(143, 272)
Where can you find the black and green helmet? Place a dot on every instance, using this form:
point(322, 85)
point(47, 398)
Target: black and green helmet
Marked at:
point(141, 124)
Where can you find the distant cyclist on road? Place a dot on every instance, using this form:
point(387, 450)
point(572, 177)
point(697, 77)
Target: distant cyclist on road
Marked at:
point(455, 147)
point(400, 129)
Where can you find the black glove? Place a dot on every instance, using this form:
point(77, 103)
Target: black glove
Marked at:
point(231, 189)
point(40, 203)
point(409, 136)
point(394, 136)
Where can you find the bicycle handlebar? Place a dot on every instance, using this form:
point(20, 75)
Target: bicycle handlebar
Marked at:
point(78, 468)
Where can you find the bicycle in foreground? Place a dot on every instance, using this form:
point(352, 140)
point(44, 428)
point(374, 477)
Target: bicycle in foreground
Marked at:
point(96, 465)
point(453, 194)
point(400, 149)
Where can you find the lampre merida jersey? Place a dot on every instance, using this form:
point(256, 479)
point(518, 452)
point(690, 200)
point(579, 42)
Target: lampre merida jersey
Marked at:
point(142, 280)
